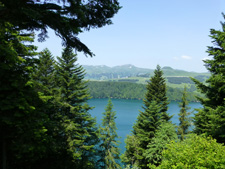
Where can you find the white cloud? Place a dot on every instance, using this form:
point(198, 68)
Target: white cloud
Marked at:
point(186, 57)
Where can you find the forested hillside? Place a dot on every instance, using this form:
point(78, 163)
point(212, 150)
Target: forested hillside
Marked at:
point(129, 82)
point(127, 90)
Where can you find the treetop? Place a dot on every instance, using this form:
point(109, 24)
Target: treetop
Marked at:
point(67, 18)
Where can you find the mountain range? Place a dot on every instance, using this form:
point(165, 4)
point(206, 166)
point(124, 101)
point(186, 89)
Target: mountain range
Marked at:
point(103, 72)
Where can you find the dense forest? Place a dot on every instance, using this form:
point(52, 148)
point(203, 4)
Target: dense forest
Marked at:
point(45, 121)
point(128, 90)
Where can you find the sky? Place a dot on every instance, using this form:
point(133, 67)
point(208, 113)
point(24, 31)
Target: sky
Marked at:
point(147, 33)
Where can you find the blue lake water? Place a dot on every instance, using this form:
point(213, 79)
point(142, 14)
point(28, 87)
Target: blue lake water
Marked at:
point(127, 112)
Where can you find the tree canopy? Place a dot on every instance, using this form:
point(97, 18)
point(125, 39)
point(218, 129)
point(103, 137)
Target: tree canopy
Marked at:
point(67, 18)
point(79, 127)
point(109, 142)
point(21, 118)
point(184, 119)
point(156, 91)
point(165, 133)
point(210, 119)
point(148, 121)
point(194, 152)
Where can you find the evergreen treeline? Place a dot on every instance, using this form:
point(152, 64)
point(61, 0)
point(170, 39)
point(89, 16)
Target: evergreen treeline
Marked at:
point(120, 90)
point(45, 120)
point(180, 80)
point(148, 123)
point(126, 90)
point(154, 143)
point(44, 115)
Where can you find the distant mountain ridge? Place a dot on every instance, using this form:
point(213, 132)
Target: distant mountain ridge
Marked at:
point(103, 72)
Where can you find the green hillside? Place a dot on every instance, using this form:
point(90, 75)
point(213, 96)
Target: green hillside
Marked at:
point(127, 90)
point(129, 71)
point(128, 82)
point(106, 73)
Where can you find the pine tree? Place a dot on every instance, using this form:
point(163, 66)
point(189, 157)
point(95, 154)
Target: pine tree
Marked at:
point(108, 135)
point(145, 128)
point(183, 116)
point(44, 83)
point(44, 73)
point(211, 118)
point(156, 91)
point(165, 133)
point(79, 126)
point(133, 153)
point(155, 112)
point(23, 135)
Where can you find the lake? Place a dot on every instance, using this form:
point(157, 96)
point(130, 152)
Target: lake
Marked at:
point(127, 112)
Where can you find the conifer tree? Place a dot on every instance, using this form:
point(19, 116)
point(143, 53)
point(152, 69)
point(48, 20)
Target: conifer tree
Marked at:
point(44, 83)
point(184, 116)
point(108, 135)
point(156, 91)
point(23, 135)
point(133, 153)
point(79, 126)
point(44, 73)
point(211, 118)
point(165, 133)
point(155, 112)
point(145, 128)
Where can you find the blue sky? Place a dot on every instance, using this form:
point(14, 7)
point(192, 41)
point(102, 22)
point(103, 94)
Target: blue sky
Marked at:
point(145, 33)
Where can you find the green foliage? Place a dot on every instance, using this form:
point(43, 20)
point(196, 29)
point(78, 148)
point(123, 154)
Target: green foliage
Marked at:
point(211, 121)
point(214, 89)
point(44, 73)
point(155, 112)
point(131, 167)
point(194, 152)
point(37, 112)
point(125, 90)
point(156, 91)
point(44, 84)
point(133, 152)
point(186, 80)
point(128, 80)
point(179, 80)
point(67, 18)
point(163, 136)
point(121, 90)
point(108, 136)
point(79, 127)
point(21, 118)
point(168, 71)
point(145, 128)
point(184, 118)
point(143, 132)
point(147, 124)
